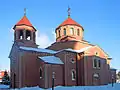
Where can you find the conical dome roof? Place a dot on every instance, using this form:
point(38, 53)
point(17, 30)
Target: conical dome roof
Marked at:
point(24, 21)
point(69, 21)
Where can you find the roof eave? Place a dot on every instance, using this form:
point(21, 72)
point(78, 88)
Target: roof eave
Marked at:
point(25, 25)
point(69, 24)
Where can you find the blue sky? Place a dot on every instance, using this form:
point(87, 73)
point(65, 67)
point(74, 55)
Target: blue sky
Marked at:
point(99, 18)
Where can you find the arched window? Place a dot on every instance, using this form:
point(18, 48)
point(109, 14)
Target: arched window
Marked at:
point(72, 31)
point(59, 33)
point(78, 32)
point(21, 34)
point(28, 35)
point(94, 63)
point(73, 74)
point(64, 31)
point(40, 72)
point(99, 63)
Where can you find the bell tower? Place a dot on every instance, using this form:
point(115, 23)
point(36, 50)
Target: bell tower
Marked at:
point(24, 32)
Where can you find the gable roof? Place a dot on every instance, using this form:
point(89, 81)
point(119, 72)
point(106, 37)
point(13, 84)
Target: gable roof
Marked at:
point(51, 60)
point(75, 51)
point(38, 50)
point(52, 51)
point(69, 21)
point(103, 51)
point(105, 54)
point(79, 51)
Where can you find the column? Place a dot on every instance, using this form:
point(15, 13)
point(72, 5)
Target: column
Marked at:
point(31, 36)
point(24, 34)
point(17, 33)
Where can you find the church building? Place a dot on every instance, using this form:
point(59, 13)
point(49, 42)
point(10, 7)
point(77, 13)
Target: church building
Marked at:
point(69, 61)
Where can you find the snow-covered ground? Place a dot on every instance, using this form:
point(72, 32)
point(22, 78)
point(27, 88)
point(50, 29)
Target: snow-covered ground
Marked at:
point(3, 86)
point(105, 87)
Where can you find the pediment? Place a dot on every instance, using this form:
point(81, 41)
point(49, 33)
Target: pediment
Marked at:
point(97, 51)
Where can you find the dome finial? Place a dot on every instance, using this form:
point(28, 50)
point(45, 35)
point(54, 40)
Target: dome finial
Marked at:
point(24, 11)
point(68, 11)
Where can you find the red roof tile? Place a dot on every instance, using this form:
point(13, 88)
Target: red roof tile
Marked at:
point(69, 21)
point(24, 21)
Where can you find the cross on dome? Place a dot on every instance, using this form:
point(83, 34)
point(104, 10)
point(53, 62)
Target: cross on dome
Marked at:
point(24, 11)
point(68, 11)
point(24, 21)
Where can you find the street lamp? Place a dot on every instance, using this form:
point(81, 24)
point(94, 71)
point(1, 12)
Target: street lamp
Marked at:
point(112, 80)
point(53, 77)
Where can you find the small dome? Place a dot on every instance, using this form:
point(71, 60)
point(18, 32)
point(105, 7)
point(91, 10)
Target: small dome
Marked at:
point(69, 21)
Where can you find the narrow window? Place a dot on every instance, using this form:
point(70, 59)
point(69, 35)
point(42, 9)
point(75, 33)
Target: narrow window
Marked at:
point(28, 35)
point(73, 74)
point(71, 31)
point(99, 64)
point(20, 34)
point(78, 32)
point(40, 72)
point(59, 33)
point(95, 63)
point(64, 31)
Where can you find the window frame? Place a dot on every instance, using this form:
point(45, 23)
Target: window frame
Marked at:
point(58, 33)
point(64, 32)
point(98, 63)
point(73, 74)
point(28, 35)
point(94, 62)
point(21, 33)
point(40, 72)
point(78, 32)
point(72, 31)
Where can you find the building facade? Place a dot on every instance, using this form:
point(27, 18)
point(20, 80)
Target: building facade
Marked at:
point(71, 60)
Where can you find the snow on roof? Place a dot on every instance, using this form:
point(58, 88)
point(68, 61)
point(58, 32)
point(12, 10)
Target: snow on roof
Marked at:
point(51, 59)
point(78, 51)
point(53, 52)
point(38, 49)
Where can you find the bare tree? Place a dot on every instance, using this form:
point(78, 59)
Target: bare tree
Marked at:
point(118, 77)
